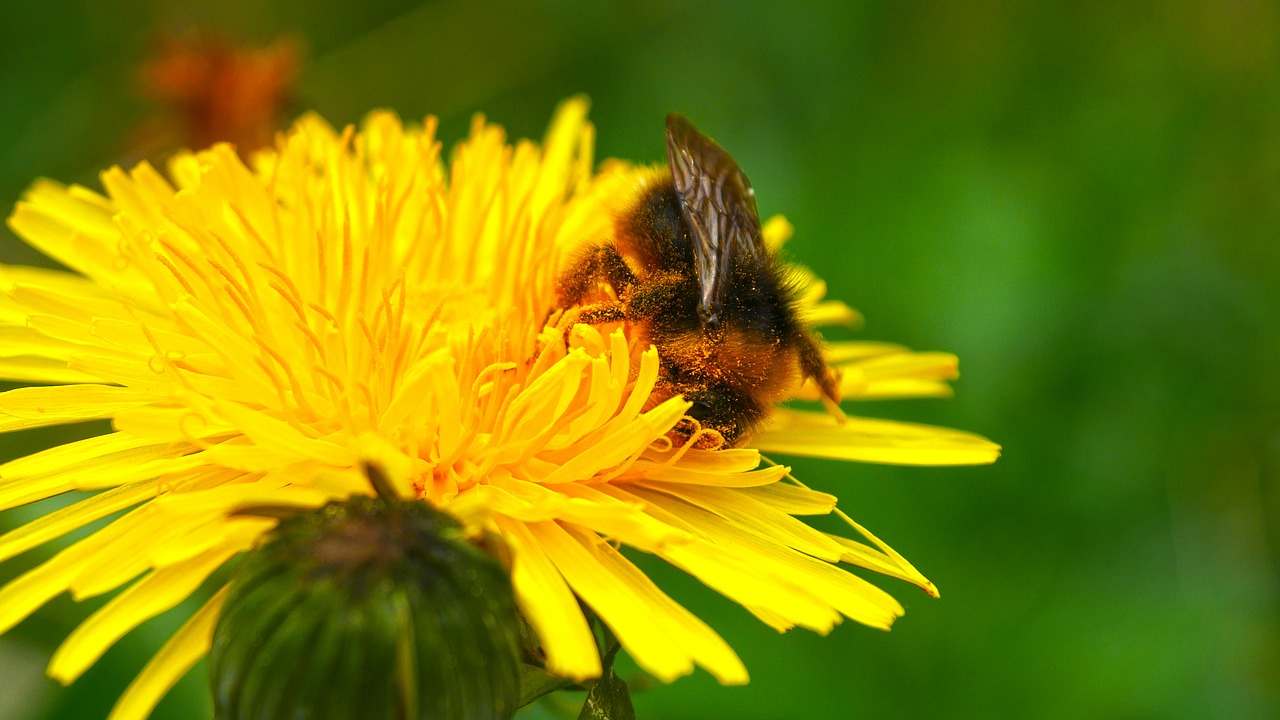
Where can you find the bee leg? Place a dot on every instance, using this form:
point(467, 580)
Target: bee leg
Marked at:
point(600, 313)
point(814, 366)
point(592, 266)
point(653, 296)
point(597, 314)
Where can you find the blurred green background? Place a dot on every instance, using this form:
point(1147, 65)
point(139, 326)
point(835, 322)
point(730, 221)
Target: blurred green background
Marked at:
point(1079, 199)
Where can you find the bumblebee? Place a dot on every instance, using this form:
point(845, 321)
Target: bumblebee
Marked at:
point(690, 273)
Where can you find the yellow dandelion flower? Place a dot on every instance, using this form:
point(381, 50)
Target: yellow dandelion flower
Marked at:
point(256, 333)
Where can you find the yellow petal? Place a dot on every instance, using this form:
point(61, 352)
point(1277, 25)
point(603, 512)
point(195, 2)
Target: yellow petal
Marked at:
point(118, 468)
point(840, 353)
point(678, 473)
point(738, 577)
point(18, 341)
point(550, 606)
point(73, 453)
point(791, 499)
point(874, 372)
point(776, 232)
point(863, 556)
point(187, 646)
point(26, 593)
point(830, 312)
point(61, 281)
point(671, 638)
point(64, 520)
point(40, 370)
point(899, 389)
point(792, 432)
point(911, 574)
point(61, 226)
point(754, 515)
point(647, 639)
point(851, 595)
point(40, 406)
point(281, 437)
point(160, 591)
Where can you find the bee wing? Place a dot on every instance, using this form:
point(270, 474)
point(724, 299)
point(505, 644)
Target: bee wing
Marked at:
point(719, 205)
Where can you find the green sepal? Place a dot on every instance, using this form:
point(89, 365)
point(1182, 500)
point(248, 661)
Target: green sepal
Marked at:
point(536, 682)
point(608, 699)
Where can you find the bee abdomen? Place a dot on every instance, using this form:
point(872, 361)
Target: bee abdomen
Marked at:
point(729, 412)
point(736, 358)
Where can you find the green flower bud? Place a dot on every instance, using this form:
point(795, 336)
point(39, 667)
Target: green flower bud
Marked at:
point(369, 609)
